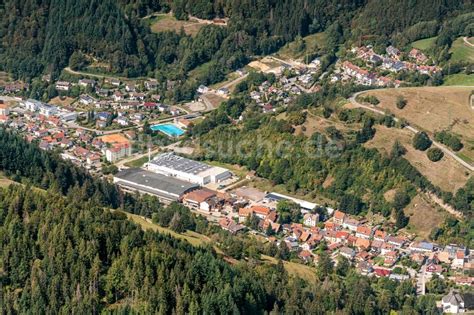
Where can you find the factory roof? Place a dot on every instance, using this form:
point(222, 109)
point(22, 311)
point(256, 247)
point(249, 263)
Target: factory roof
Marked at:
point(155, 181)
point(178, 163)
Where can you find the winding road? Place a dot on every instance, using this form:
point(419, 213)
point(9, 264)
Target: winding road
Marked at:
point(372, 108)
point(467, 42)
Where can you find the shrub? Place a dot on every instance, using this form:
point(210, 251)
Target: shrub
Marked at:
point(449, 140)
point(421, 141)
point(435, 154)
point(370, 99)
point(401, 102)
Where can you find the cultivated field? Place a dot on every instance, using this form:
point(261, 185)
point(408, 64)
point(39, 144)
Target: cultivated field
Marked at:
point(448, 174)
point(433, 109)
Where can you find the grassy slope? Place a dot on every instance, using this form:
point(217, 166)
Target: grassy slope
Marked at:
point(313, 42)
point(459, 79)
point(447, 173)
point(424, 44)
point(433, 109)
point(461, 52)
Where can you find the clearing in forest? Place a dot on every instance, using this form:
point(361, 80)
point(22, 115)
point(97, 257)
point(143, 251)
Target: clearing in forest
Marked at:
point(167, 22)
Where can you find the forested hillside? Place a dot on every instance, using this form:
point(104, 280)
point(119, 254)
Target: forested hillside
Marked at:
point(62, 251)
point(40, 37)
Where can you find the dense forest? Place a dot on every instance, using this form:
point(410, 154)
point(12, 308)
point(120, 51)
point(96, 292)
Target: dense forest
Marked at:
point(63, 256)
point(47, 35)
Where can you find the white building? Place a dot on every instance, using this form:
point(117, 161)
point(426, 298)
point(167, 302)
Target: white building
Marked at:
point(453, 303)
point(4, 110)
point(68, 116)
point(32, 105)
point(117, 152)
point(310, 219)
point(48, 110)
point(63, 86)
point(188, 170)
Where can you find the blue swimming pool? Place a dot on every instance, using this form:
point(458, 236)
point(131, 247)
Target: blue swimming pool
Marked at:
point(170, 130)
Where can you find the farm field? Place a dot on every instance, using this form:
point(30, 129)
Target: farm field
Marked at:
point(433, 109)
point(448, 174)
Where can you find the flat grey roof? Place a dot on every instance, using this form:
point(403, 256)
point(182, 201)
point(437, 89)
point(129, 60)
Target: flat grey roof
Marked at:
point(179, 163)
point(155, 181)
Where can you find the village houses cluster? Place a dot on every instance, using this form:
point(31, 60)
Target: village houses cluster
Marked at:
point(380, 69)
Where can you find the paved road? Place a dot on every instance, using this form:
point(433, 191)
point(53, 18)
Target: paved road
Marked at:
point(421, 282)
point(372, 108)
point(466, 41)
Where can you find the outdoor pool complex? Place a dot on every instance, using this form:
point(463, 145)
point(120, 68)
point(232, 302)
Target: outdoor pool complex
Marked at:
point(170, 130)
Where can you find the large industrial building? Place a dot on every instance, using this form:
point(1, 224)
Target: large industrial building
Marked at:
point(166, 188)
point(188, 170)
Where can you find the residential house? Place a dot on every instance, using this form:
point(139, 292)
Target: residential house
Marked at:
point(365, 267)
point(306, 256)
point(118, 96)
point(392, 51)
point(455, 302)
point(199, 199)
point(424, 247)
point(459, 260)
point(130, 87)
point(362, 243)
point(347, 252)
point(396, 241)
point(381, 272)
point(151, 84)
point(418, 55)
point(118, 151)
point(364, 231)
point(229, 225)
point(310, 219)
point(223, 91)
point(202, 89)
point(433, 268)
point(339, 217)
point(350, 224)
point(86, 83)
point(86, 99)
point(380, 235)
point(63, 86)
point(122, 121)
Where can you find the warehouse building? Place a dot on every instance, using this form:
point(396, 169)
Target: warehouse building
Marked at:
point(188, 170)
point(167, 189)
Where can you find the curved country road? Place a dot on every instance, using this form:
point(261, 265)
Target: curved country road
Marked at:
point(466, 41)
point(372, 108)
